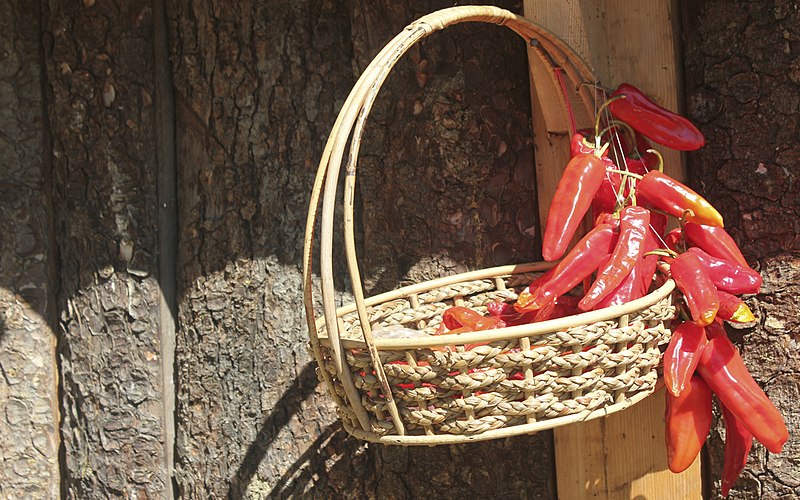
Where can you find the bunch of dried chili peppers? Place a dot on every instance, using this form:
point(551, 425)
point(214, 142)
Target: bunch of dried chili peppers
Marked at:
point(617, 260)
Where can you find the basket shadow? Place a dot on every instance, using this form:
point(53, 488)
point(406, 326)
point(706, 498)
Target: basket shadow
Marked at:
point(289, 405)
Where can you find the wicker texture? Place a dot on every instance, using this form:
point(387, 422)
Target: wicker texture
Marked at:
point(440, 389)
point(448, 389)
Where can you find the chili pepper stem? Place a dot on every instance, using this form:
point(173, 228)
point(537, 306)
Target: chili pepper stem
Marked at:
point(660, 159)
point(625, 173)
point(601, 151)
point(663, 252)
point(619, 124)
point(600, 113)
point(684, 217)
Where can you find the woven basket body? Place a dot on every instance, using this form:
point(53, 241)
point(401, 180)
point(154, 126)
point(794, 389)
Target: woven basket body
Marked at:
point(441, 389)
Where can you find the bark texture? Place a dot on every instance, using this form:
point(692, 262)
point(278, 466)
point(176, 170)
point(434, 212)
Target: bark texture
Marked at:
point(257, 88)
point(743, 88)
point(99, 62)
point(448, 163)
point(28, 421)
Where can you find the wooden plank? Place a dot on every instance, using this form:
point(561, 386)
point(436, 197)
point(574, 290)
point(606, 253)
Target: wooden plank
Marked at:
point(622, 456)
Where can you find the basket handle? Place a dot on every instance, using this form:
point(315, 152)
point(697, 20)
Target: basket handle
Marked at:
point(551, 53)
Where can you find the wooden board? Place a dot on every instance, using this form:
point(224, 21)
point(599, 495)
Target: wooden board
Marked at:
point(622, 456)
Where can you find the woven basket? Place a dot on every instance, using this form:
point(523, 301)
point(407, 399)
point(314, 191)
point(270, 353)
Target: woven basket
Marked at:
point(432, 390)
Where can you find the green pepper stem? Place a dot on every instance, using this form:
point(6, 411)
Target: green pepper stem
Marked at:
point(626, 173)
point(660, 159)
point(600, 112)
point(663, 252)
point(620, 124)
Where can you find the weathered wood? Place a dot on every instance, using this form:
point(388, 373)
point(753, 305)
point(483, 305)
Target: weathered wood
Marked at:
point(28, 390)
point(255, 105)
point(454, 116)
point(612, 37)
point(743, 89)
point(100, 78)
point(257, 88)
point(167, 201)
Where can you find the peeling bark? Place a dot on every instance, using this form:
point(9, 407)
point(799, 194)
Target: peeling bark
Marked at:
point(99, 70)
point(258, 86)
point(255, 106)
point(743, 89)
point(28, 391)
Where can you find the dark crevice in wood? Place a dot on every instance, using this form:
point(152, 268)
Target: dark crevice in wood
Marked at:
point(51, 247)
point(166, 194)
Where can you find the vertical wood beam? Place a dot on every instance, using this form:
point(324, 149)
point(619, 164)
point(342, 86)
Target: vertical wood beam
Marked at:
point(29, 440)
point(167, 198)
point(622, 456)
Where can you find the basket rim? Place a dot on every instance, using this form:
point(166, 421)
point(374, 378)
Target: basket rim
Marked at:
point(499, 334)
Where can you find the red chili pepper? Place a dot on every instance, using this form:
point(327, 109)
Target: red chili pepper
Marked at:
point(658, 222)
point(633, 227)
point(715, 241)
point(459, 316)
point(715, 329)
point(722, 368)
point(577, 187)
point(727, 276)
point(660, 191)
point(637, 283)
point(653, 121)
point(630, 289)
point(673, 239)
point(509, 315)
point(693, 281)
point(738, 441)
point(580, 262)
point(526, 296)
point(650, 262)
point(732, 308)
point(682, 355)
point(688, 421)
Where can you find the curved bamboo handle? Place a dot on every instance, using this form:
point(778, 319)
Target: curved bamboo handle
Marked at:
point(350, 122)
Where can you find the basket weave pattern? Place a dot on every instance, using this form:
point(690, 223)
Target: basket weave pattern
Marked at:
point(451, 390)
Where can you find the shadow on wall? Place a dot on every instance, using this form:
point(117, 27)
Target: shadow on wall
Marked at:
point(288, 406)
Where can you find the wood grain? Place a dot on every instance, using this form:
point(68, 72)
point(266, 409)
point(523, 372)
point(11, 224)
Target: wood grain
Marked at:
point(622, 456)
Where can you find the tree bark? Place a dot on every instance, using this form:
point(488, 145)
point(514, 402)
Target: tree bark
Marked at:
point(257, 88)
point(100, 76)
point(28, 387)
point(742, 88)
point(254, 107)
